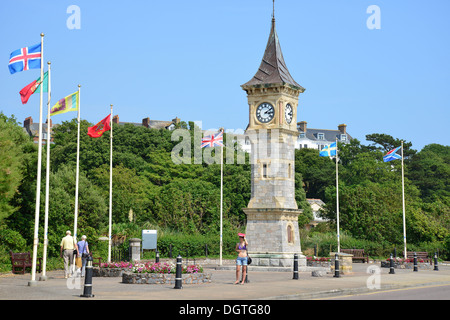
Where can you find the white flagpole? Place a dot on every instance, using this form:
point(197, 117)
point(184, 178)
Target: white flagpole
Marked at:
point(75, 222)
point(77, 174)
point(110, 186)
point(403, 200)
point(337, 200)
point(221, 199)
point(47, 179)
point(38, 179)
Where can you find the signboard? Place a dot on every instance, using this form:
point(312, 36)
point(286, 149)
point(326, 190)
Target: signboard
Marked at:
point(149, 239)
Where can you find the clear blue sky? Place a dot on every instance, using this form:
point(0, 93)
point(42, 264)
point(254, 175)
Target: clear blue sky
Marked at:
point(187, 59)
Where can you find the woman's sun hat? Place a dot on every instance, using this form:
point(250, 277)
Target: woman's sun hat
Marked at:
point(241, 235)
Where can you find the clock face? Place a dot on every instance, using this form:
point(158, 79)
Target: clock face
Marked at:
point(288, 113)
point(265, 112)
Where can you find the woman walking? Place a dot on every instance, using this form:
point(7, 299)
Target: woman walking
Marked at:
point(241, 260)
point(83, 252)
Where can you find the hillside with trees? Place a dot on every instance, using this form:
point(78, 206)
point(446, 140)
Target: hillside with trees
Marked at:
point(182, 201)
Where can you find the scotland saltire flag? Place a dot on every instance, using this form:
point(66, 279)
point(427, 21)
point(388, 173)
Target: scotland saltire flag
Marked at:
point(25, 58)
point(329, 151)
point(392, 155)
point(214, 140)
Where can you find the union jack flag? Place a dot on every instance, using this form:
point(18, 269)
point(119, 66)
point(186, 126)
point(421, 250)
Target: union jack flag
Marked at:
point(25, 58)
point(214, 140)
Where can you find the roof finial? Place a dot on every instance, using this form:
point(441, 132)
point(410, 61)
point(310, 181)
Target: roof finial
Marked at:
point(273, 13)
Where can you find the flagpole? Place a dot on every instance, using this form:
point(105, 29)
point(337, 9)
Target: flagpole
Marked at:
point(47, 179)
point(403, 203)
point(110, 186)
point(38, 179)
point(75, 222)
point(221, 199)
point(337, 200)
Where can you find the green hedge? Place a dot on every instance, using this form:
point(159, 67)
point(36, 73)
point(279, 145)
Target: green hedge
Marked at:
point(194, 245)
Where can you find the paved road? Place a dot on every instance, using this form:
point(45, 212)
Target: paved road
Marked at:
point(262, 286)
point(430, 292)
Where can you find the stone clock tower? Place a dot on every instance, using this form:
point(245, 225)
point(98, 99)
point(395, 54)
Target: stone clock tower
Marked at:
point(272, 213)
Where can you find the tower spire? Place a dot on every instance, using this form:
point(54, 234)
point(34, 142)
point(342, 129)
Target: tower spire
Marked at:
point(273, 69)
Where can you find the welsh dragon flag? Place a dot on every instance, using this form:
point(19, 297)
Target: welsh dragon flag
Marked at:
point(33, 87)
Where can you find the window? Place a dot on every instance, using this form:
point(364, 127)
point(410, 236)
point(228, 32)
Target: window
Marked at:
point(320, 136)
point(290, 234)
point(289, 171)
point(302, 135)
point(264, 170)
point(343, 137)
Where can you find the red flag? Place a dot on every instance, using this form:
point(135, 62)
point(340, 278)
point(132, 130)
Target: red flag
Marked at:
point(26, 92)
point(97, 130)
point(33, 87)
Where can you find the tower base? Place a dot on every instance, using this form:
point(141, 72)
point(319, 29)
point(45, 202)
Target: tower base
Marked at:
point(273, 237)
point(275, 259)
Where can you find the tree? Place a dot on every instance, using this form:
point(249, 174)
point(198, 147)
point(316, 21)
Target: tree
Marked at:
point(189, 205)
point(16, 150)
point(317, 172)
point(128, 190)
point(430, 172)
point(388, 143)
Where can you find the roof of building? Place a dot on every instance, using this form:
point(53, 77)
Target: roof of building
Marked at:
point(153, 124)
point(329, 135)
point(33, 129)
point(273, 69)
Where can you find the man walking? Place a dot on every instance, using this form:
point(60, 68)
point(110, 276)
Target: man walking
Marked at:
point(68, 245)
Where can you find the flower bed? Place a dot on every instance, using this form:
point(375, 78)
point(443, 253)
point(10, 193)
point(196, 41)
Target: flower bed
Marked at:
point(165, 278)
point(117, 269)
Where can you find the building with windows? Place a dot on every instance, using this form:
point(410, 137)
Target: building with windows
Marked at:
point(319, 138)
point(32, 129)
point(308, 137)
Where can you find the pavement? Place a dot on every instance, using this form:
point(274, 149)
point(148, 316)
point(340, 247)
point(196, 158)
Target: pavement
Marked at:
point(262, 285)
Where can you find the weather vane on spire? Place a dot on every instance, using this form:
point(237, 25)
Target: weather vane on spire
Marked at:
point(273, 13)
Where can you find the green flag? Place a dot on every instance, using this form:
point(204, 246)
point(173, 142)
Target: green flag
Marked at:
point(44, 84)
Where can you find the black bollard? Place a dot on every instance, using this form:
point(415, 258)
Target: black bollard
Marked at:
point(87, 293)
point(178, 277)
point(295, 277)
point(436, 268)
point(246, 275)
point(391, 265)
point(157, 256)
point(336, 266)
point(415, 262)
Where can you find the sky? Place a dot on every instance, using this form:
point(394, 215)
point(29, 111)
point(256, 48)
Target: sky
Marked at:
point(188, 59)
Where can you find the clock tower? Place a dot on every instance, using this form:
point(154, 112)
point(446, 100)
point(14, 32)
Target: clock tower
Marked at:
point(272, 213)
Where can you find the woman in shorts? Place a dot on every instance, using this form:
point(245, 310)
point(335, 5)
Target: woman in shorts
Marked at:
point(241, 260)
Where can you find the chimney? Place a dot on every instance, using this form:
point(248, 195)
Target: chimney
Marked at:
point(302, 125)
point(146, 122)
point(342, 128)
point(176, 120)
point(116, 119)
point(51, 123)
point(28, 122)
